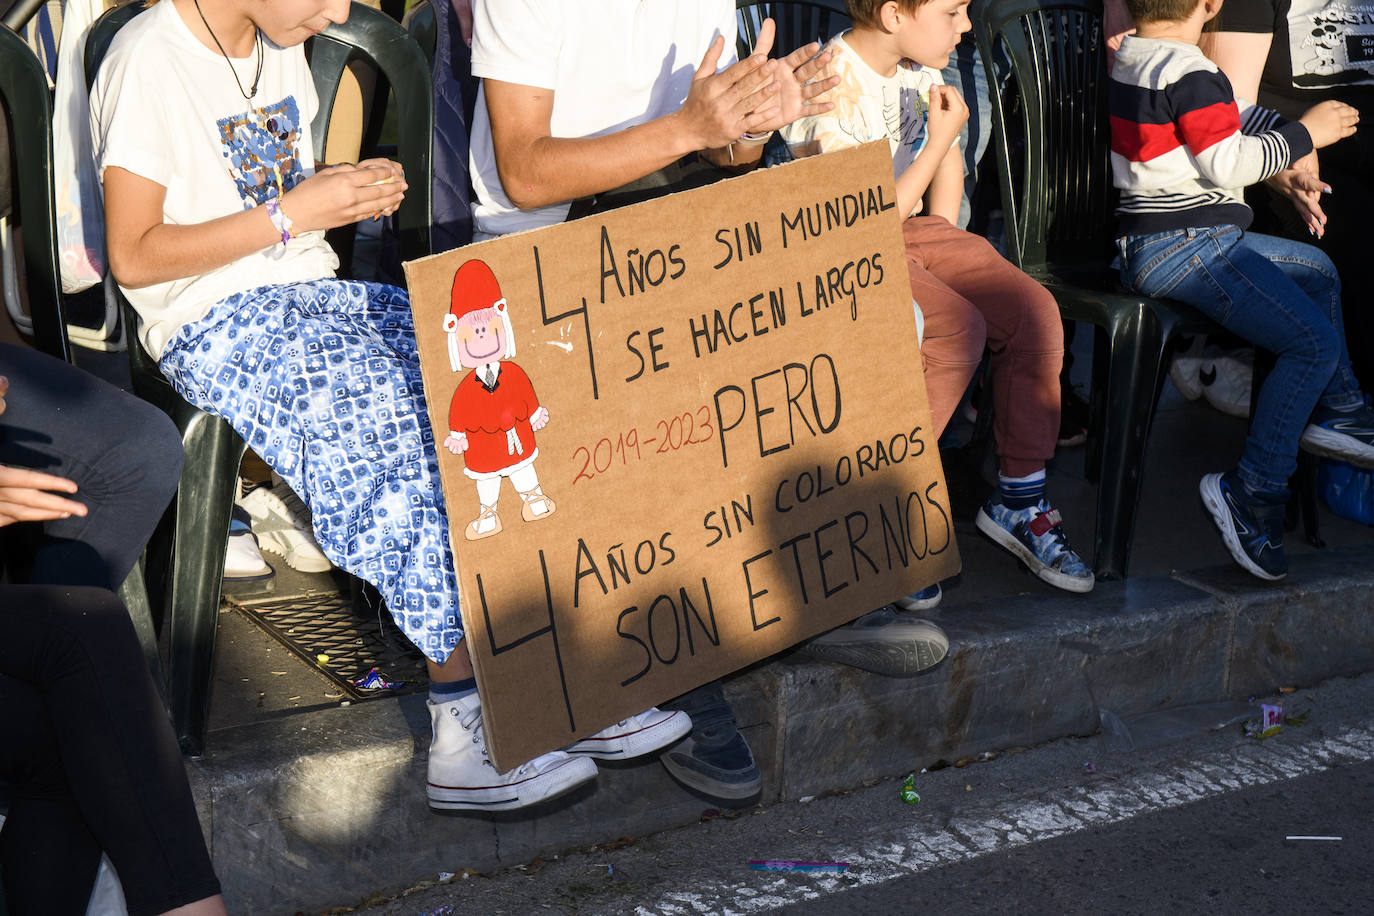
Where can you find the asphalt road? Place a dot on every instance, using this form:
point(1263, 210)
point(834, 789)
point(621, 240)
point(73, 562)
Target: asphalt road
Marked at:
point(1194, 825)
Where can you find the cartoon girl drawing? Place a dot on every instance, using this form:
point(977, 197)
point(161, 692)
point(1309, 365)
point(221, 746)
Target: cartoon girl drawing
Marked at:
point(494, 413)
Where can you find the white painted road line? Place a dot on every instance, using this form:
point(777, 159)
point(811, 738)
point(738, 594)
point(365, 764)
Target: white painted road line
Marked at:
point(905, 852)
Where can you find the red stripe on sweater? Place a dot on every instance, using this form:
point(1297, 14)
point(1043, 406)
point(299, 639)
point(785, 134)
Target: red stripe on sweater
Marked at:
point(1203, 127)
point(1142, 142)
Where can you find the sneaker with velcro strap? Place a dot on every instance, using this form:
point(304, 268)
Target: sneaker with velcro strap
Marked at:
point(1035, 535)
point(1251, 528)
point(713, 760)
point(1340, 434)
point(926, 599)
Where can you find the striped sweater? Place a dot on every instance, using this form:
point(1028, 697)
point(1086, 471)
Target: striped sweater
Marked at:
point(1183, 148)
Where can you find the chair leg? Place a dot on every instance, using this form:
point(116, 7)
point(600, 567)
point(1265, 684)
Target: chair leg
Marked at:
point(134, 593)
point(1306, 493)
point(203, 504)
point(1097, 405)
point(1134, 371)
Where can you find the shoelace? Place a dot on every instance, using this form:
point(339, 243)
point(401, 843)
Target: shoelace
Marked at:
point(472, 721)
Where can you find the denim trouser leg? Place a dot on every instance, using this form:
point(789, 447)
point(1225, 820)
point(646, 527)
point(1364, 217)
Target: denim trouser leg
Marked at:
point(1280, 295)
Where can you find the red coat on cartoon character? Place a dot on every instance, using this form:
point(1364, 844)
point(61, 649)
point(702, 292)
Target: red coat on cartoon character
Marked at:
point(494, 412)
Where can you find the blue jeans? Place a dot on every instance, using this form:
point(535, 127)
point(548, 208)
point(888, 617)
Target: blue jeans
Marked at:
point(1281, 295)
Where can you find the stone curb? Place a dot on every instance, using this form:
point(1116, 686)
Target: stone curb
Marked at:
point(325, 808)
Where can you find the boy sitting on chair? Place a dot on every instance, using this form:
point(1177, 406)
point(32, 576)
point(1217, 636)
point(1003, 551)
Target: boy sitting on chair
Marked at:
point(969, 295)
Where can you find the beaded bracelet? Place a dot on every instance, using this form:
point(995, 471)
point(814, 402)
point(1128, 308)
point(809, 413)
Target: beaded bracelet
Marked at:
point(281, 222)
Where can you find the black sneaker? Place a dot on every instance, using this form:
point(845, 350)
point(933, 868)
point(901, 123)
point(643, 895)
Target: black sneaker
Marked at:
point(1343, 435)
point(714, 760)
point(1252, 529)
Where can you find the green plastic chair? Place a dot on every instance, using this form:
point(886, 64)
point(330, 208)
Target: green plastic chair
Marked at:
point(24, 90)
point(24, 87)
point(423, 25)
point(1060, 226)
point(187, 556)
point(798, 23)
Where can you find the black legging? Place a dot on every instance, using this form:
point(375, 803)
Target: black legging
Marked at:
point(85, 746)
point(91, 759)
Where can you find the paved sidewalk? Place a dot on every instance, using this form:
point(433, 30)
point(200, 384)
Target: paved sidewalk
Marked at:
point(311, 805)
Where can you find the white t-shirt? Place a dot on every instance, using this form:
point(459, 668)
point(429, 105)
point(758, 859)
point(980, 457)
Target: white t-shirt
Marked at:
point(166, 108)
point(869, 106)
point(611, 64)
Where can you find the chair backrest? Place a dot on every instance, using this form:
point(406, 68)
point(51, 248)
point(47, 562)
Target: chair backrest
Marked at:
point(423, 25)
point(400, 60)
point(798, 23)
point(1063, 208)
point(370, 34)
point(374, 35)
point(24, 89)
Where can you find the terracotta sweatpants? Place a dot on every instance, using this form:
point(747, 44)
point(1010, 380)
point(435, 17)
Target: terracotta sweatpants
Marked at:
point(971, 297)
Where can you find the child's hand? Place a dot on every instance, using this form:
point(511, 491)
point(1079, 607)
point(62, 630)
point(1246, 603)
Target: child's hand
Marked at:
point(539, 419)
point(1329, 122)
point(344, 194)
point(945, 116)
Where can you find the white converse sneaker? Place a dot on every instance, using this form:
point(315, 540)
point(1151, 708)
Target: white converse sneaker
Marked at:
point(462, 777)
point(282, 523)
point(642, 734)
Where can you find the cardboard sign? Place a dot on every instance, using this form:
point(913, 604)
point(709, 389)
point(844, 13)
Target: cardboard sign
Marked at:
point(706, 438)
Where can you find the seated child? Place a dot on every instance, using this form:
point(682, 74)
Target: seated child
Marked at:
point(970, 296)
point(215, 220)
point(1183, 150)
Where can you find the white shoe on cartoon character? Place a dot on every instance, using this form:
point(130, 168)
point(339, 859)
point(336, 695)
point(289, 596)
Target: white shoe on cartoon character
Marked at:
point(484, 525)
point(536, 505)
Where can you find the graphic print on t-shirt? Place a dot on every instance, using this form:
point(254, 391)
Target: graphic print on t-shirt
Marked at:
point(1331, 43)
point(261, 149)
point(903, 114)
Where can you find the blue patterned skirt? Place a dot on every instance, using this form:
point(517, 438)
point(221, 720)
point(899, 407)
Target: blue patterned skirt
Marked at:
point(322, 380)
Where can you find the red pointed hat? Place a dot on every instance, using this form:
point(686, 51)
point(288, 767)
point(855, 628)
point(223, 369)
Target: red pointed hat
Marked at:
point(474, 288)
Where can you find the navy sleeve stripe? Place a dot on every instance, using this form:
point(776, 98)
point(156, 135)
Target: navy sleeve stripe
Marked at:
point(1197, 89)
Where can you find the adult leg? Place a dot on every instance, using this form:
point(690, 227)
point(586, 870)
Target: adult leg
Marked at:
point(952, 346)
point(124, 455)
point(322, 380)
point(1345, 167)
point(46, 849)
point(75, 650)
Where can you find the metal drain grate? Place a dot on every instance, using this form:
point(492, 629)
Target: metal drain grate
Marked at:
point(323, 623)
